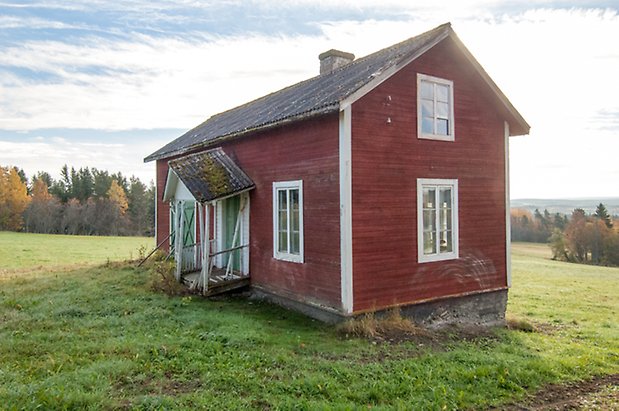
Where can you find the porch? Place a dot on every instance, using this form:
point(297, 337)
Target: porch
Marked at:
point(209, 221)
point(218, 282)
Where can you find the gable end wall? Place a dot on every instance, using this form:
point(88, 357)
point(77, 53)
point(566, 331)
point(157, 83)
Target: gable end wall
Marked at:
point(388, 158)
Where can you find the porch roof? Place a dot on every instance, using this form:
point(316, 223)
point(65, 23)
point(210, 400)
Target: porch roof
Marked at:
point(209, 175)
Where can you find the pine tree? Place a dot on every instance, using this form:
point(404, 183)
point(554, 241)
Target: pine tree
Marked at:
point(602, 213)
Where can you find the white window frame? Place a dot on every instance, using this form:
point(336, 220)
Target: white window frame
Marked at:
point(438, 256)
point(431, 136)
point(287, 185)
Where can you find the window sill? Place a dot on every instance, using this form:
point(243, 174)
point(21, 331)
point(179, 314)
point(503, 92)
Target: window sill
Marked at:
point(438, 257)
point(438, 137)
point(291, 258)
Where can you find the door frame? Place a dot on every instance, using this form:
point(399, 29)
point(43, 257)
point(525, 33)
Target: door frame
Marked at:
point(220, 260)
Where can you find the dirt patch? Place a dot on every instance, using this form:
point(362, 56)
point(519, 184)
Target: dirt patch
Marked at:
point(598, 393)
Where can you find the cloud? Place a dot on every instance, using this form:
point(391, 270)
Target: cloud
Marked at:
point(173, 65)
point(122, 153)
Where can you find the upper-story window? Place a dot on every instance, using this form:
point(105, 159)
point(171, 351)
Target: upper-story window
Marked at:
point(435, 108)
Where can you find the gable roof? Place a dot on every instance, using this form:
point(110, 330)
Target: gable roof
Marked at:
point(322, 94)
point(208, 175)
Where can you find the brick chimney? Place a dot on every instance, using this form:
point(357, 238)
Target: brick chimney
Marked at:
point(334, 59)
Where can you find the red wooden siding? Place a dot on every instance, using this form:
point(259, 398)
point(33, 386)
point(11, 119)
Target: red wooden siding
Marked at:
point(387, 159)
point(163, 208)
point(308, 151)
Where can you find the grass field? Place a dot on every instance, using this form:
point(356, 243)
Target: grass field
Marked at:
point(97, 337)
point(21, 251)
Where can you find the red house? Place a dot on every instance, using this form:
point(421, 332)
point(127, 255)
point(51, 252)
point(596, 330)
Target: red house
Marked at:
point(381, 182)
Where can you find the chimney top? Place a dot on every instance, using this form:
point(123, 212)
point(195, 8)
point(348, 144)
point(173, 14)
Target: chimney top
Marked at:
point(333, 59)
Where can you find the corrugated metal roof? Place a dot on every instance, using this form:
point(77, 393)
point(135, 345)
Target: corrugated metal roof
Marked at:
point(318, 95)
point(210, 175)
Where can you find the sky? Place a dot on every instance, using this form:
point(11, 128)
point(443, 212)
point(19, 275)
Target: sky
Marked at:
point(105, 83)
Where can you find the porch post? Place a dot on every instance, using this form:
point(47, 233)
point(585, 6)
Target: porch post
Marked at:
point(177, 240)
point(206, 249)
point(199, 249)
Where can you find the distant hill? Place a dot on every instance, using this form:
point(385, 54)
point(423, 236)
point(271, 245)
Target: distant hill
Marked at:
point(566, 206)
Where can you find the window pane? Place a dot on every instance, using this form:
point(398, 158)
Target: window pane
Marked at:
point(283, 242)
point(446, 242)
point(427, 90)
point(442, 127)
point(429, 195)
point(427, 108)
point(294, 242)
point(428, 243)
point(294, 220)
point(429, 220)
point(442, 93)
point(282, 203)
point(442, 110)
point(294, 199)
point(427, 125)
point(445, 197)
point(283, 220)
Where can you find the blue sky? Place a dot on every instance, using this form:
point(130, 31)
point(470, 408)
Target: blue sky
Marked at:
point(103, 84)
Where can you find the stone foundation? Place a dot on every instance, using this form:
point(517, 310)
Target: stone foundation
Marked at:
point(482, 309)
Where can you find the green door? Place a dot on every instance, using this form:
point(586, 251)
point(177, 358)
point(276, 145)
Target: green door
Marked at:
point(231, 208)
point(189, 223)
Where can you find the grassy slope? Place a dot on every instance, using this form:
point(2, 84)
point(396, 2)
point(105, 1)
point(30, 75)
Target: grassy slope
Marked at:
point(21, 251)
point(97, 337)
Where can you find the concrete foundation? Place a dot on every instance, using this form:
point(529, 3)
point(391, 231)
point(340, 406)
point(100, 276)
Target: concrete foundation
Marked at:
point(482, 309)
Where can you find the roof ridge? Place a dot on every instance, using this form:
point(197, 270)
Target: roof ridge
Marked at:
point(298, 100)
point(394, 46)
point(344, 67)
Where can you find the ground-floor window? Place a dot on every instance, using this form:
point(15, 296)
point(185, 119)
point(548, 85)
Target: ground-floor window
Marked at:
point(437, 219)
point(288, 220)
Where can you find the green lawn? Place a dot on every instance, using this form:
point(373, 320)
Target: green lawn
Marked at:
point(21, 251)
point(97, 337)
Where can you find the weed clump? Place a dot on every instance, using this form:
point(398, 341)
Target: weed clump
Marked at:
point(163, 279)
point(390, 326)
point(519, 324)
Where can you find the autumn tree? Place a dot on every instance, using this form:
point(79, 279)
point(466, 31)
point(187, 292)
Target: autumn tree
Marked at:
point(575, 236)
point(44, 210)
point(117, 195)
point(13, 199)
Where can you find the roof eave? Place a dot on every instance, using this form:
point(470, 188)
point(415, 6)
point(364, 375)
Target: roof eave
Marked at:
point(333, 107)
point(518, 125)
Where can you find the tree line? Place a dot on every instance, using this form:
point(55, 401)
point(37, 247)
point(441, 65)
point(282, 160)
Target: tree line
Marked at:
point(84, 201)
point(580, 238)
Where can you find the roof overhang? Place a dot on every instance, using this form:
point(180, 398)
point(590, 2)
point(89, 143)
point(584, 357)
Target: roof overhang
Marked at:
point(331, 108)
point(206, 176)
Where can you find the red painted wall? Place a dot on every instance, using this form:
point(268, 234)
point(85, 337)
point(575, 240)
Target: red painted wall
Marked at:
point(387, 159)
point(163, 208)
point(308, 151)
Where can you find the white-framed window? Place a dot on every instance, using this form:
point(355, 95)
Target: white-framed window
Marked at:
point(437, 219)
point(435, 108)
point(288, 220)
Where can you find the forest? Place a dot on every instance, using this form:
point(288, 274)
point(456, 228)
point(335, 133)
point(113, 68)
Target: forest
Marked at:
point(84, 201)
point(580, 237)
